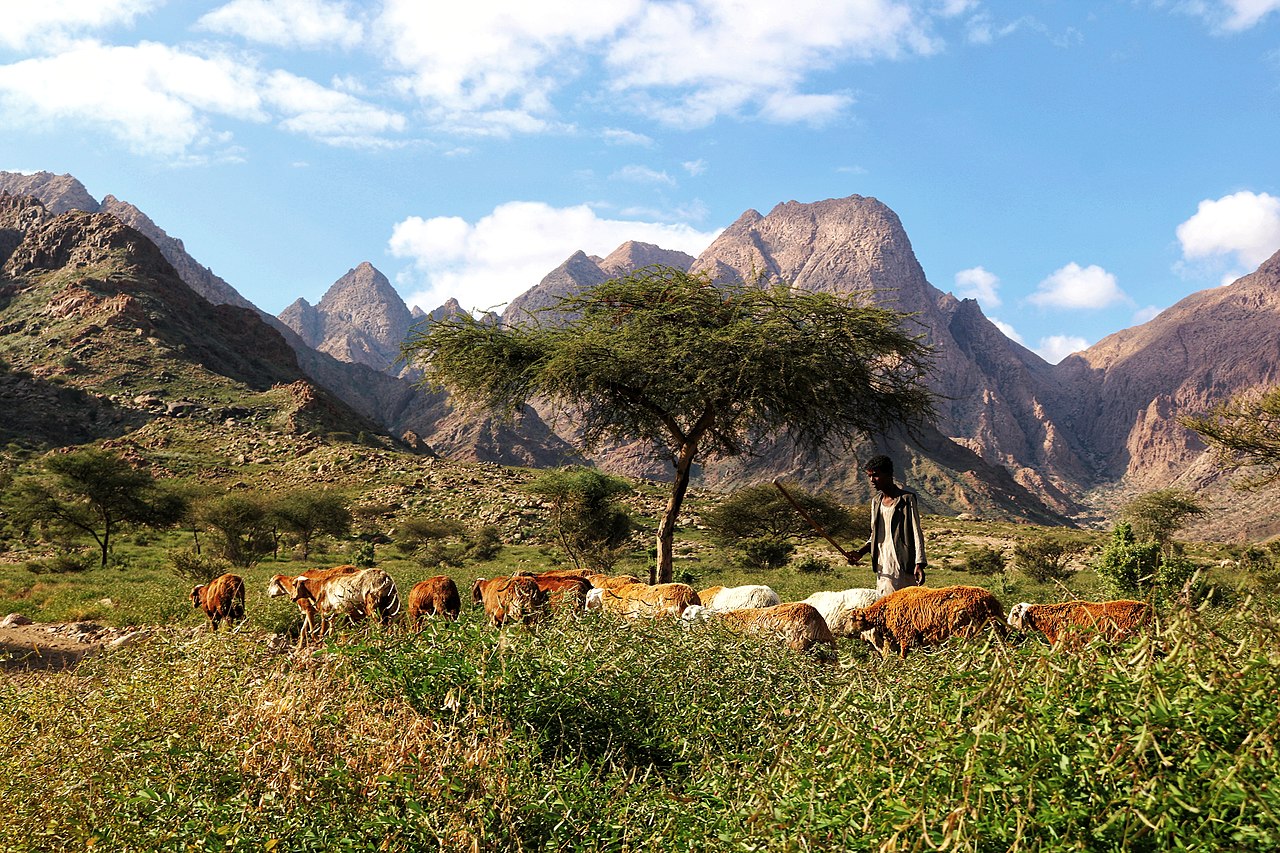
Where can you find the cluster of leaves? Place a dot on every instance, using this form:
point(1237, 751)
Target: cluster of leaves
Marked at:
point(437, 543)
point(761, 523)
point(985, 561)
point(1045, 558)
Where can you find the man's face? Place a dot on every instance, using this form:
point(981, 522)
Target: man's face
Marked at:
point(880, 478)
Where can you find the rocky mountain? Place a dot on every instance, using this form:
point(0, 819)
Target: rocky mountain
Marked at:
point(99, 335)
point(394, 405)
point(360, 319)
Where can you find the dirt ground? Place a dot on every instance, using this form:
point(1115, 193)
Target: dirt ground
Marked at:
point(55, 646)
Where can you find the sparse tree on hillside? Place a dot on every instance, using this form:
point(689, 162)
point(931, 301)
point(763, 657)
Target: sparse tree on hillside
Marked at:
point(1245, 432)
point(307, 513)
point(91, 491)
point(241, 525)
point(590, 523)
point(667, 356)
point(1156, 516)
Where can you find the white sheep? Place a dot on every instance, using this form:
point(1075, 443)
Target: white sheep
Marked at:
point(835, 606)
point(738, 597)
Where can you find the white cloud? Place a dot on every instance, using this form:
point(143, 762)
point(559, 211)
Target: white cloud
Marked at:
point(1243, 227)
point(286, 23)
point(503, 254)
point(31, 24)
point(162, 101)
point(685, 63)
point(1055, 348)
point(332, 117)
point(1143, 315)
point(1074, 286)
point(1232, 16)
point(694, 167)
point(643, 175)
point(618, 136)
point(1009, 332)
point(977, 283)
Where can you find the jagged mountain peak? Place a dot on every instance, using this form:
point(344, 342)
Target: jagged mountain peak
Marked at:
point(633, 255)
point(59, 193)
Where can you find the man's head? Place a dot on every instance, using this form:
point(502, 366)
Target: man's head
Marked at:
point(879, 469)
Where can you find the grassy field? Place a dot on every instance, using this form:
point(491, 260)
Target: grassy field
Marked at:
point(587, 734)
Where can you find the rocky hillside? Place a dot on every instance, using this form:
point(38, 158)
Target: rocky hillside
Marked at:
point(99, 335)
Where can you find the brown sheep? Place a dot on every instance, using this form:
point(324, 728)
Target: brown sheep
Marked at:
point(285, 585)
point(796, 624)
point(567, 591)
point(640, 599)
point(518, 597)
point(923, 616)
point(220, 598)
point(1114, 621)
point(602, 581)
point(437, 596)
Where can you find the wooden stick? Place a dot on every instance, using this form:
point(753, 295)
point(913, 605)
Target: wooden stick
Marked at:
point(822, 531)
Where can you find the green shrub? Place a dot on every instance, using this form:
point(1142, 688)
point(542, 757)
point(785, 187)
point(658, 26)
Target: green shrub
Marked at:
point(765, 552)
point(68, 562)
point(363, 555)
point(985, 561)
point(199, 568)
point(1045, 558)
point(811, 565)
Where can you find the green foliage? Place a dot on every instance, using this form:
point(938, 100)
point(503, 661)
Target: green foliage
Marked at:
point(985, 561)
point(1156, 516)
point(1045, 558)
point(1245, 433)
point(590, 523)
point(484, 544)
point(765, 552)
point(89, 491)
point(666, 356)
point(762, 510)
point(594, 735)
point(240, 525)
point(307, 513)
point(1132, 569)
point(363, 555)
point(67, 562)
point(197, 567)
point(418, 532)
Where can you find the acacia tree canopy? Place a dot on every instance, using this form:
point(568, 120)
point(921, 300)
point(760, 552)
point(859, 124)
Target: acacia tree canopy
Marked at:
point(667, 356)
point(1245, 431)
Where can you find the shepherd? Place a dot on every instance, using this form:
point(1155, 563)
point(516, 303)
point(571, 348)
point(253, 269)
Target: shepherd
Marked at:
point(897, 541)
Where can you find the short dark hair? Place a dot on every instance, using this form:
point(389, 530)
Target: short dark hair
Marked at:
point(879, 463)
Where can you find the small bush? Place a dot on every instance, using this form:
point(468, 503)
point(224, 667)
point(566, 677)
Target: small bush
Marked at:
point(765, 552)
point(484, 544)
point(199, 568)
point(69, 562)
point(363, 555)
point(811, 565)
point(985, 561)
point(1045, 558)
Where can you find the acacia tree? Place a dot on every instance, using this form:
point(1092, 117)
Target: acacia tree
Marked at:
point(667, 356)
point(93, 491)
point(1245, 432)
point(307, 513)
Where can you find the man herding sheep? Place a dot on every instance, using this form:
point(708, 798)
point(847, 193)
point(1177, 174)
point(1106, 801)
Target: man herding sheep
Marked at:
point(897, 542)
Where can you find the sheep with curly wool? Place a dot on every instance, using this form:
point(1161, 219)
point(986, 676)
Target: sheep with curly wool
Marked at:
point(795, 624)
point(1113, 621)
point(924, 616)
point(835, 606)
point(738, 597)
point(634, 600)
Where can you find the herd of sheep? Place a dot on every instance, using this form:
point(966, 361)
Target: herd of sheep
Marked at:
point(906, 619)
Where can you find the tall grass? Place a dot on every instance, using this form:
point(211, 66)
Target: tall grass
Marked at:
point(591, 734)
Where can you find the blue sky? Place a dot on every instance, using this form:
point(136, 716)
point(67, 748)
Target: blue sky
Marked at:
point(1076, 166)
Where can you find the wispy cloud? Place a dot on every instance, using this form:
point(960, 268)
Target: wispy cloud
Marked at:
point(287, 23)
point(33, 26)
point(161, 101)
point(1077, 287)
point(1055, 348)
point(1231, 16)
point(643, 175)
point(977, 283)
point(487, 263)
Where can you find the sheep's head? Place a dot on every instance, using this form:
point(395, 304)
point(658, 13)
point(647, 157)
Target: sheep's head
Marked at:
point(595, 599)
point(279, 586)
point(856, 620)
point(476, 595)
point(1018, 615)
point(695, 613)
point(302, 589)
point(195, 595)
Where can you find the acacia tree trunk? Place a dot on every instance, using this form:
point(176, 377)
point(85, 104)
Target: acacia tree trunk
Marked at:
point(664, 570)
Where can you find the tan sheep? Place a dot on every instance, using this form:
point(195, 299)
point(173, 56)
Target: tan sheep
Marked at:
point(509, 598)
point(1113, 621)
point(366, 594)
point(923, 616)
point(641, 600)
point(797, 625)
